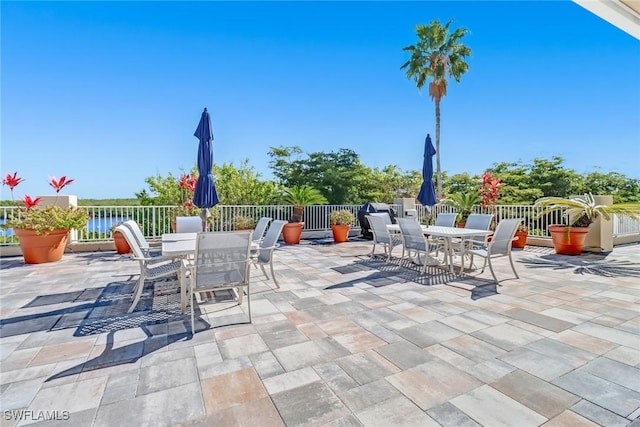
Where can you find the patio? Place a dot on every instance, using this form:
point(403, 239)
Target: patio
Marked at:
point(346, 341)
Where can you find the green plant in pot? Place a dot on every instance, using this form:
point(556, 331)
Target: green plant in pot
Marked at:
point(43, 231)
point(242, 222)
point(463, 203)
point(299, 197)
point(340, 221)
point(578, 214)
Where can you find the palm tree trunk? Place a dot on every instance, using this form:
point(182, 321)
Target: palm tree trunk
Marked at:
point(438, 170)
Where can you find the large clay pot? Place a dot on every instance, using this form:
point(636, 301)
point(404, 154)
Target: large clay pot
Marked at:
point(122, 247)
point(292, 232)
point(340, 233)
point(522, 239)
point(568, 242)
point(41, 248)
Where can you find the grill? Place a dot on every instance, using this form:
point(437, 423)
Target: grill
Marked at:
point(373, 208)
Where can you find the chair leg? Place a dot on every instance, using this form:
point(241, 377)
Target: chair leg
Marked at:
point(249, 302)
point(371, 255)
point(240, 292)
point(491, 269)
point(272, 275)
point(484, 264)
point(264, 271)
point(193, 323)
point(513, 267)
point(137, 292)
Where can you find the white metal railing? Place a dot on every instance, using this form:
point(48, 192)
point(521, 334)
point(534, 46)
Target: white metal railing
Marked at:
point(156, 220)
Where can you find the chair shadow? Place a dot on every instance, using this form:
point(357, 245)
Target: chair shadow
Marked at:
point(129, 353)
point(98, 310)
point(389, 272)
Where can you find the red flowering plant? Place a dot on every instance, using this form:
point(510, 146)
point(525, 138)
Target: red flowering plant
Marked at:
point(187, 185)
point(490, 189)
point(45, 219)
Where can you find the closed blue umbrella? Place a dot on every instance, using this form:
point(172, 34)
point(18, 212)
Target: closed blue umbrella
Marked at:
point(427, 194)
point(205, 195)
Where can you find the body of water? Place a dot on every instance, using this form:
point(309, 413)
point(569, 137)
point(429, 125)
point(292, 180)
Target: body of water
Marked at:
point(100, 225)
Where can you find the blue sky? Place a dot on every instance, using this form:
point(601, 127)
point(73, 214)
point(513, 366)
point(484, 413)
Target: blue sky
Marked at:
point(111, 93)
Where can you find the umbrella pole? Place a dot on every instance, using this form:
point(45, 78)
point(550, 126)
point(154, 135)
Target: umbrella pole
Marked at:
point(204, 214)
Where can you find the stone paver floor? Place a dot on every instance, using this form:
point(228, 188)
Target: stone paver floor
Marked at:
point(345, 341)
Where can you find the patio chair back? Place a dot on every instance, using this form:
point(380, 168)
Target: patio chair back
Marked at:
point(129, 236)
point(261, 226)
point(138, 235)
point(381, 235)
point(188, 224)
point(446, 219)
point(221, 262)
point(478, 222)
point(264, 253)
point(412, 234)
point(504, 234)
point(384, 215)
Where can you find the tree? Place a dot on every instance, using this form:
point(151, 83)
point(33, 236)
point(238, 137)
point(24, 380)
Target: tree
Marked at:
point(337, 174)
point(235, 185)
point(242, 185)
point(437, 54)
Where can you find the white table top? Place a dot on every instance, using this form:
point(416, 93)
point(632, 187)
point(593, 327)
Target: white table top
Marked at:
point(178, 244)
point(445, 231)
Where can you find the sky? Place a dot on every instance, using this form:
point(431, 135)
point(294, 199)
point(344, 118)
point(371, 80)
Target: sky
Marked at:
point(110, 93)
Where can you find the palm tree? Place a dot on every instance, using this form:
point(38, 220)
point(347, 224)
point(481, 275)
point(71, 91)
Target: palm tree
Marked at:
point(437, 54)
point(301, 196)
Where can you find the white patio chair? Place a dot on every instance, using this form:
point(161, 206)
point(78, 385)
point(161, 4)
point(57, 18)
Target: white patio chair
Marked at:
point(188, 224)
point(139, 236)
point(499, 246)
point(474, 222)
point(221, 262)
point(150, 267)
point(381, 234)
point(264, 253)
point(384, 215)
point(414, 240)
point(446, 219)
point(261, 226)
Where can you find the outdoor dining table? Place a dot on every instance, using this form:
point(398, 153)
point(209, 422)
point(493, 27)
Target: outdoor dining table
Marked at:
point(447, 233)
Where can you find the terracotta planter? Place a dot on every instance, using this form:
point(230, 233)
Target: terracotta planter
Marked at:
point(122, 247)
point(292, 232)
point(340, 233)
point(522, 239)
point(461, 224)
point(37, 249)
point(568, 242)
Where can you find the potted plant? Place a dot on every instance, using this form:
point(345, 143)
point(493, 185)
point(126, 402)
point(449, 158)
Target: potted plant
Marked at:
point(43, 231)
point(579, 213)
point(299, 197)
point(122, 247)
point(521, 233)
point(242, 222)
point(463, 203)
point(340, 221)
